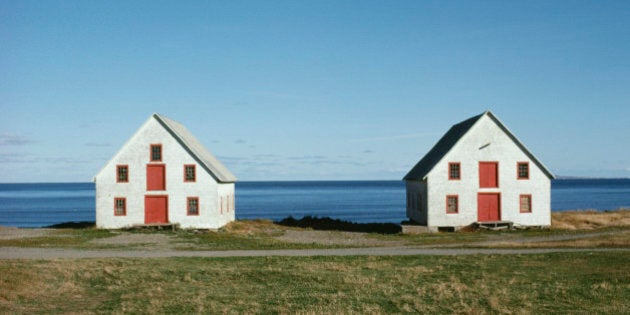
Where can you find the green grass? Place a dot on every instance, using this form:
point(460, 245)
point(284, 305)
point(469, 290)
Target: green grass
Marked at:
point(467, 239)
point(188, 240)
point(257, 235)
point(589, 283)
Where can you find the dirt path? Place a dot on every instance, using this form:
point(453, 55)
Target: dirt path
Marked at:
point(55, 253)
point(12, 233)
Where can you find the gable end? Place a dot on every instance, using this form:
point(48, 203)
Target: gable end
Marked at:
point(450, 140)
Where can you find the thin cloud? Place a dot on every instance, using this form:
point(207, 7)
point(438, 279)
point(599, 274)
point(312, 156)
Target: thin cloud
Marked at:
point(15, 158)
point(231, 158)
point(13, 139)
point(98, 144)
point(29, 158)
point(65, 160)
point(307, 158)
point(397, 137)
point(271, 156)
point(240, 141)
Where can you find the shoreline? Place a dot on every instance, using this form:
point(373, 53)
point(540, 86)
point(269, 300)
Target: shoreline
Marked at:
point(85, 224)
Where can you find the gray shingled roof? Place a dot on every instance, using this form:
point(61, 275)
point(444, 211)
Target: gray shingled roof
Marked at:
point(450, 139)
point(196, 150)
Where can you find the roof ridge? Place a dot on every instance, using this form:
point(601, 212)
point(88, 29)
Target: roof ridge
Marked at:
point(197, 150)
point(450, 139)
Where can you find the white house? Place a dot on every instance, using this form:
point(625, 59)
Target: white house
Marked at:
point(478, 172)
point(163, 174)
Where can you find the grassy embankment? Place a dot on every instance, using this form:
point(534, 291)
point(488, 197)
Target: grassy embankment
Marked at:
point(588, 283)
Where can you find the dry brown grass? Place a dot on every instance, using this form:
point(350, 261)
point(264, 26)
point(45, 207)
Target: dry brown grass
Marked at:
point(253, 227)
point(617, 239)
point(620, 239)
point(589, 219)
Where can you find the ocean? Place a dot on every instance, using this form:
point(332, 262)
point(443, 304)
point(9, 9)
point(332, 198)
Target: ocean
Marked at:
point(36, 205)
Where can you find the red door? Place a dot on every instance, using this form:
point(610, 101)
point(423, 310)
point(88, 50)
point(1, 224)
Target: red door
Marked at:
point(155, 209)
point(488, 174)
point(488, 207)
point(156, 179)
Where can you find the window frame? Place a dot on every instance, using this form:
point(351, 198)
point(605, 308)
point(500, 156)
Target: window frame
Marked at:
point(118, 168)
point(155, 145)
point(456, 204)
point(188, 199)
point(518, 170)
point(459, 170)
point(194, 168)
point(520, 204)
point(124, 200)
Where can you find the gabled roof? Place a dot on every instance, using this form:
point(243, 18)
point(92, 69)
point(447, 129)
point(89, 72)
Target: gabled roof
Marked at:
point(452, 137)
point(210, 163)
point(196, 149)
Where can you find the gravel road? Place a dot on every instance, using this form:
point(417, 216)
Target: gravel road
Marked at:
point(56, 253)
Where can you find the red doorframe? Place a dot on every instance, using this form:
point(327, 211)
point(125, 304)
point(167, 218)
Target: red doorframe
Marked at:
point(488, 207)
point(155, 209)
point(488, 174)
point(156, 177)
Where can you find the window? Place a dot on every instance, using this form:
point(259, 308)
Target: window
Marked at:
point(452, 204)
point(221, 205)
point(122, 173)
point(522, 169)
point(419, 205)
point(189, 173)
point(454, 171)
point(526, 203)
point(120, 206)
point(156, 152)
point(193, 205)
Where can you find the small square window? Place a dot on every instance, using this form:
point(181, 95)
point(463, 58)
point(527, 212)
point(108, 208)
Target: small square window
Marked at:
point(452, 204)
point(526, 203)
point(523, 170)
point(156, 152)
point(122, 174)
point(120, 206)
point(193, 206)
point(454, 171)
point(189, 173)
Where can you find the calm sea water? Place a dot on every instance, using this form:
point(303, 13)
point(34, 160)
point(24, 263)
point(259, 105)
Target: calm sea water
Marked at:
point(35, 205)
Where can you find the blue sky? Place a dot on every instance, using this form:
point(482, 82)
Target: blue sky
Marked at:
point(301, 90)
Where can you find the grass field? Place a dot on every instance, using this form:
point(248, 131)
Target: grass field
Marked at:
point(588, 283)
point(580, 282)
